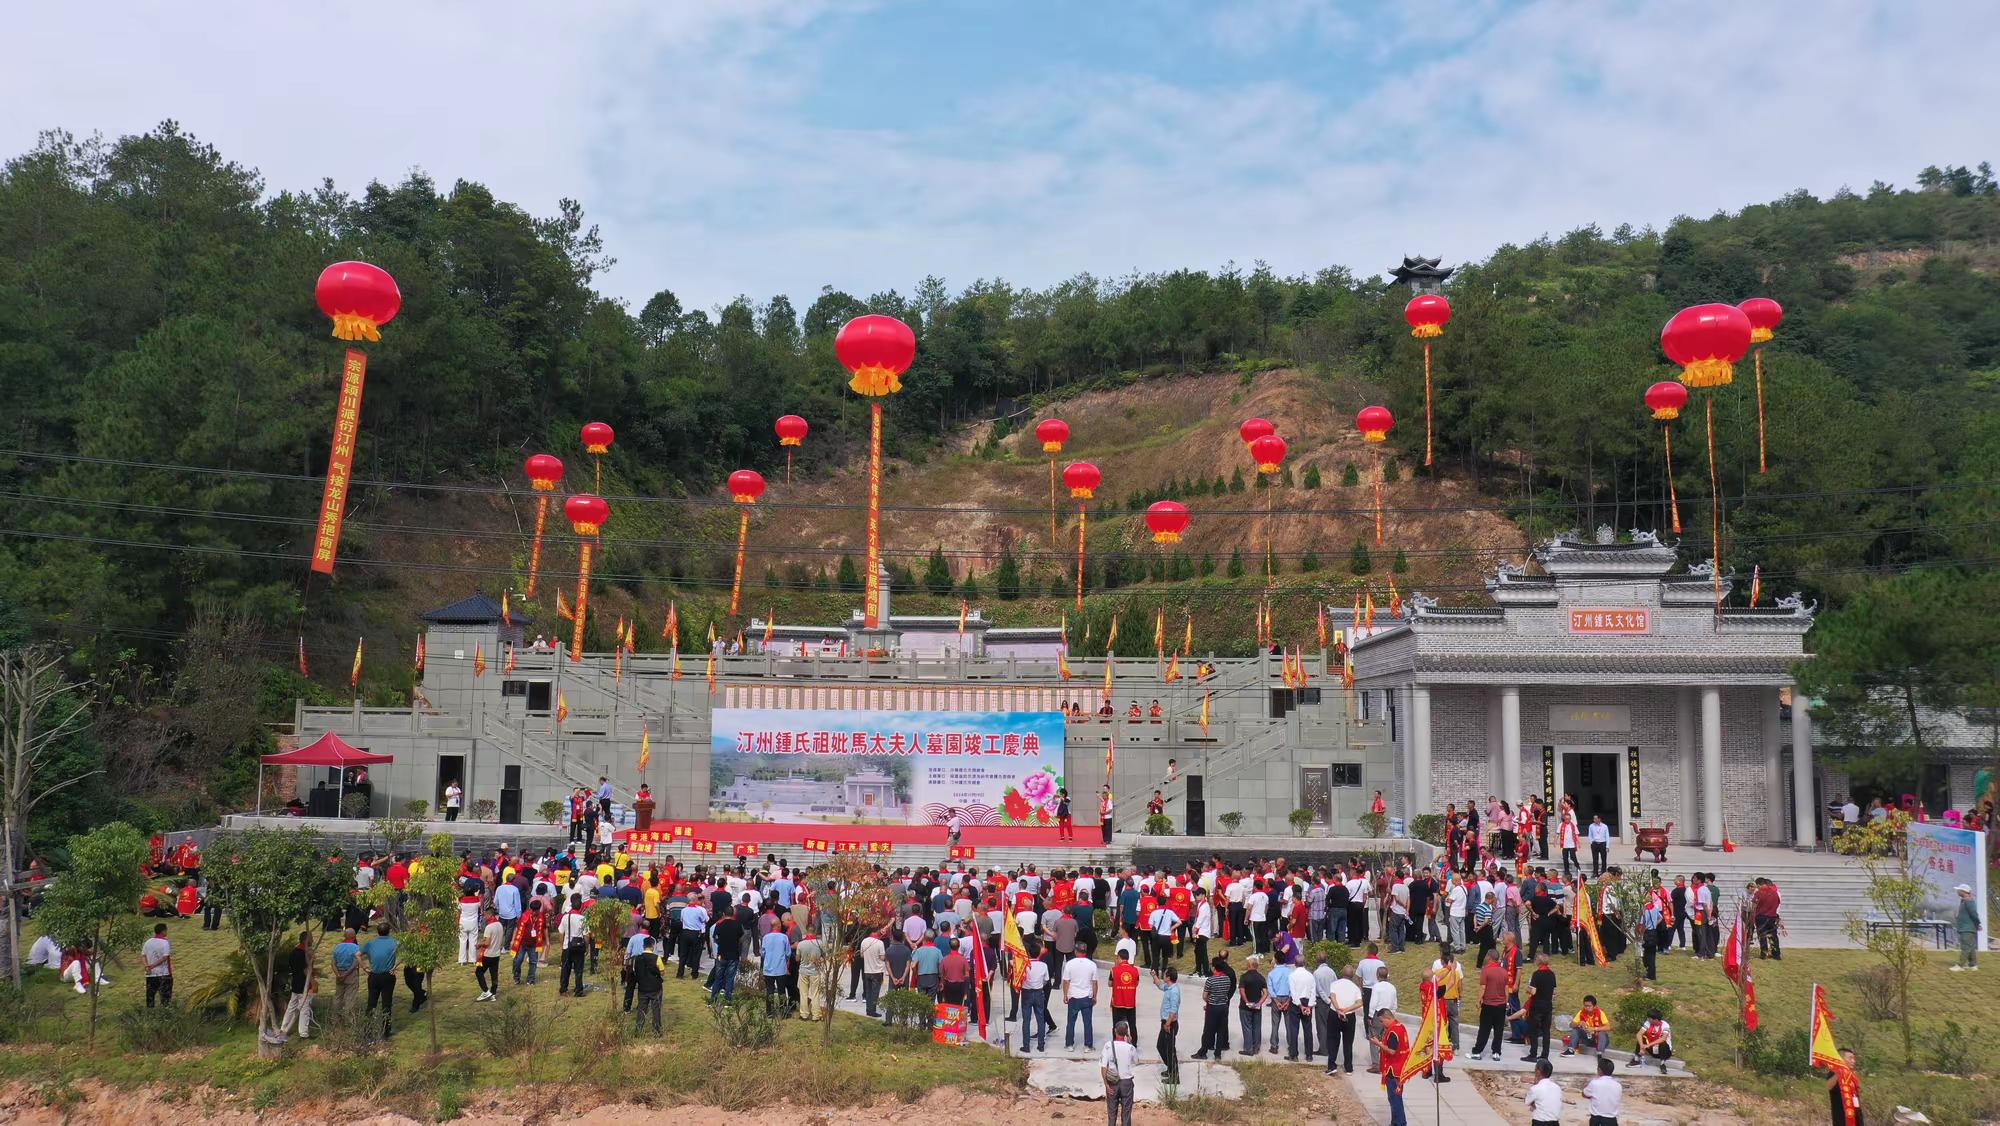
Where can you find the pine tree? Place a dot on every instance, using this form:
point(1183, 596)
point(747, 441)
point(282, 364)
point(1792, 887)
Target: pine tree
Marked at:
point(1309, 562)
point(1207, 565)
point(1311, 478)
point(1218, 486)
point(1402, 563)
point(1059, 586)
point(969, 589)
point(1349, 476)
point(1236, 480)
point(1157, 570)
point(1390, 472)
point(1285, 476)
point(1007, 577)
point(1358, 561)
point(819, 579)
point(849, 577)
point(770, 578)
point(1235, 570)
point(937, 573)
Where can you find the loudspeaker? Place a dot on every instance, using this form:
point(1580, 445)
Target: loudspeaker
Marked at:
point(510, 806)
point(1197, 817)
point(1194, 787)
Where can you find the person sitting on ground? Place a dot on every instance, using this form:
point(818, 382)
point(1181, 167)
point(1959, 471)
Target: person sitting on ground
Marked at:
point(1655, 1041)
point(158, 905)
point(1590, 1028)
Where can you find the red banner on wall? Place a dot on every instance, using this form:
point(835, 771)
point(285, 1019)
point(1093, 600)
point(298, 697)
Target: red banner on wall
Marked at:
point(340, 462)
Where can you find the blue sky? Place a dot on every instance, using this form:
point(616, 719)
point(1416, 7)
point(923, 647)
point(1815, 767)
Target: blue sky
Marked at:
point(760, 147)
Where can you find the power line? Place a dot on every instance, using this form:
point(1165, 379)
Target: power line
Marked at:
point(1036, 512)
point(1023, 554)
point(1245, 594)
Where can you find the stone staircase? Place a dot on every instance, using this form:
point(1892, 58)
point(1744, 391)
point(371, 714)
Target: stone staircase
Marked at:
point(1820, 890)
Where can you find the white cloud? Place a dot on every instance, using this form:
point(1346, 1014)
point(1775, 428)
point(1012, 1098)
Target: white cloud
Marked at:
point(687, 130)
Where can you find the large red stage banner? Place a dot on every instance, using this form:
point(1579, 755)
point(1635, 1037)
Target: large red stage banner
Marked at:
point(885, 768)
point(340, 461)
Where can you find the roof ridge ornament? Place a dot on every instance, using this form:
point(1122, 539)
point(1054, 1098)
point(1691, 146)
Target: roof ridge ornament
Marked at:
point(1640, 536)
point(1421, 604)
point(1796, 603)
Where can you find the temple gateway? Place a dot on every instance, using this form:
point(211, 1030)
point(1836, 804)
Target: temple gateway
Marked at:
point(1612, 679)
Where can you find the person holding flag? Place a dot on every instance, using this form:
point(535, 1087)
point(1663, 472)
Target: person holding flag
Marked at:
point(1394, 1045)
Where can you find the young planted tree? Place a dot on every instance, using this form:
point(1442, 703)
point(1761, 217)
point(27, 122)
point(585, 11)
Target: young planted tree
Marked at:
point(95, 903)
point(39, 711)
point(1311, 478)
point(1358, 560)
point(1895, 898)
point(1349, 476)
point(937, 573)
point(850, 897)
point(269, 881)
point(430, 918)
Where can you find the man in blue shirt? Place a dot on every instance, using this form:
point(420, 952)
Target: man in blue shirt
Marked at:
point(507, 902)
point(346, 972)
point(380, 954)
point(1280, 985)
point(634, 947)
point(1128, 906)
point(1170, 1026)
point(604, 797)
point(927, 960)
point(693, 932)
point(777, 951)
point(782, 889)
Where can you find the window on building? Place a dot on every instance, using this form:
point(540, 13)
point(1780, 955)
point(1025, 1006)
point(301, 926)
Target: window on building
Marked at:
point(1346, 774)
point(513, 688)
point(1308, 696)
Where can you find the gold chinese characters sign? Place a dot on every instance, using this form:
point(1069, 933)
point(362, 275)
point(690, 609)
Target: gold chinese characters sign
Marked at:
point(1606, 619)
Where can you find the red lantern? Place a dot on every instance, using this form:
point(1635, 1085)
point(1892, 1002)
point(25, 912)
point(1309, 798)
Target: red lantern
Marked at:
point(586, 513)
point(791, 430)
point(1427, 314)
point(1267, 452)
point(1764, 315)
point(1052, 432)
point(597, 437)
point(1082, 479)
point(1374, 423)
point(1666, 398)
point(544, 476)
point(359, 297)
point(1168, 519)
point(877, 350)
point(1707, 340)
point(1255, 428)
point(746, 485)
point(544, 473)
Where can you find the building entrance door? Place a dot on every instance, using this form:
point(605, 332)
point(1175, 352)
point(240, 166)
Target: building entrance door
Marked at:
point(1597, 780)
point(1316, 792)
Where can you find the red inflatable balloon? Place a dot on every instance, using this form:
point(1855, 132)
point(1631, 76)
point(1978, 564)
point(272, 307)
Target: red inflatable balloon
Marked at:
point(1082, 479)
point(586, 513)
point(1666, 398)
point(1374, 423)
point(359, 297)
point(1167, 519)
point(1427, 314)
point(746, 485)
point(1052, 432)
point(877, 350)
point(1707, 340)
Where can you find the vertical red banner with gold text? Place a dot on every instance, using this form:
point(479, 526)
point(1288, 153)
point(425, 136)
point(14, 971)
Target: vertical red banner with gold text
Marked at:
point(871, 583)
point(339, 462)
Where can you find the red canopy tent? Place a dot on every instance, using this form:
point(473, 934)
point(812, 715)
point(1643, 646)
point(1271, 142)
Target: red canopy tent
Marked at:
point(329, 750)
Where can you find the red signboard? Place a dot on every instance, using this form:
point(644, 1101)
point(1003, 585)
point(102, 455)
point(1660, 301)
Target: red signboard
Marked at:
point(964, 852)
point(815, 844)
point(1610, 619)
point(339, 462)
point(702, 846)
point(746, 848)
point(681, 831)
point(847, 846)
point(880, 846)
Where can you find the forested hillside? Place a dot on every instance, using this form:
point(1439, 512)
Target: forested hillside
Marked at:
point(168, 385)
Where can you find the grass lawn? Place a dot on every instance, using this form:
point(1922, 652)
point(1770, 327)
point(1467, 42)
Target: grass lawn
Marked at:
point(692, 1064)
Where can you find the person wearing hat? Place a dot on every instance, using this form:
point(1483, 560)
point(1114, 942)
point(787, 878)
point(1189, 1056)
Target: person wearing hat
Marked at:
point(1967, 923)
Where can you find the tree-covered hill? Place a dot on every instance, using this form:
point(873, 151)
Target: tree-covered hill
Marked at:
point(169, 382)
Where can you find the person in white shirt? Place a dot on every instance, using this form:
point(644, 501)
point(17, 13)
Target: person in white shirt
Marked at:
point(1381, 996)
point(1258, 907)
point(454, 797)
point(1344, 1000)
point(1600, 844)
point(468, 928)
point(1603, 1096)
point(1305, 989)
point(1080, 992)
point(1544, 1097)
point(45, 952)
point(1034, 1002)
point(1850, 813)
point(157, 957)
point(1454, 898)
point(1119, 1066)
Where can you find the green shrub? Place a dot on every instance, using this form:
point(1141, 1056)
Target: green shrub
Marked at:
point(550, 811)
point(485, 809)
point(1159, 825)
point(416, 809)
point(1783, 1057)
point(1302, 821)
point(907, 1008)
point(167, 1028)
point(1631, 1012)
point(1428, 827)
point(26, 1017)
point(1349, 476)
point(231, 992)
point(354, 805)
point(516, 1026)
point(1339, 955)
point(743, 1023)
point(1374, 824)
point(1231, 821)
point(1951, 1050)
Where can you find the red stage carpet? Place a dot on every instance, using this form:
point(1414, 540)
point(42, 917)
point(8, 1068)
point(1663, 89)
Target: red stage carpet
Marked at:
point(766, 834)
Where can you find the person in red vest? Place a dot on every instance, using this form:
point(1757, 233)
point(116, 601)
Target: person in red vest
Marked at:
point(1395, 1045)
point(156, 855)
point(1124, 990)
point(1180, 900)
point(187, 858)
point(189, 900)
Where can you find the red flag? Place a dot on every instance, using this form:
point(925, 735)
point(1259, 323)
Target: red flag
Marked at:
point(979, 974)
point(1749, 1000)
point(509, 665)
point(354, 674)
point(478, 660)
point(1732, 954)
point(420, 652)
point(303, 671)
